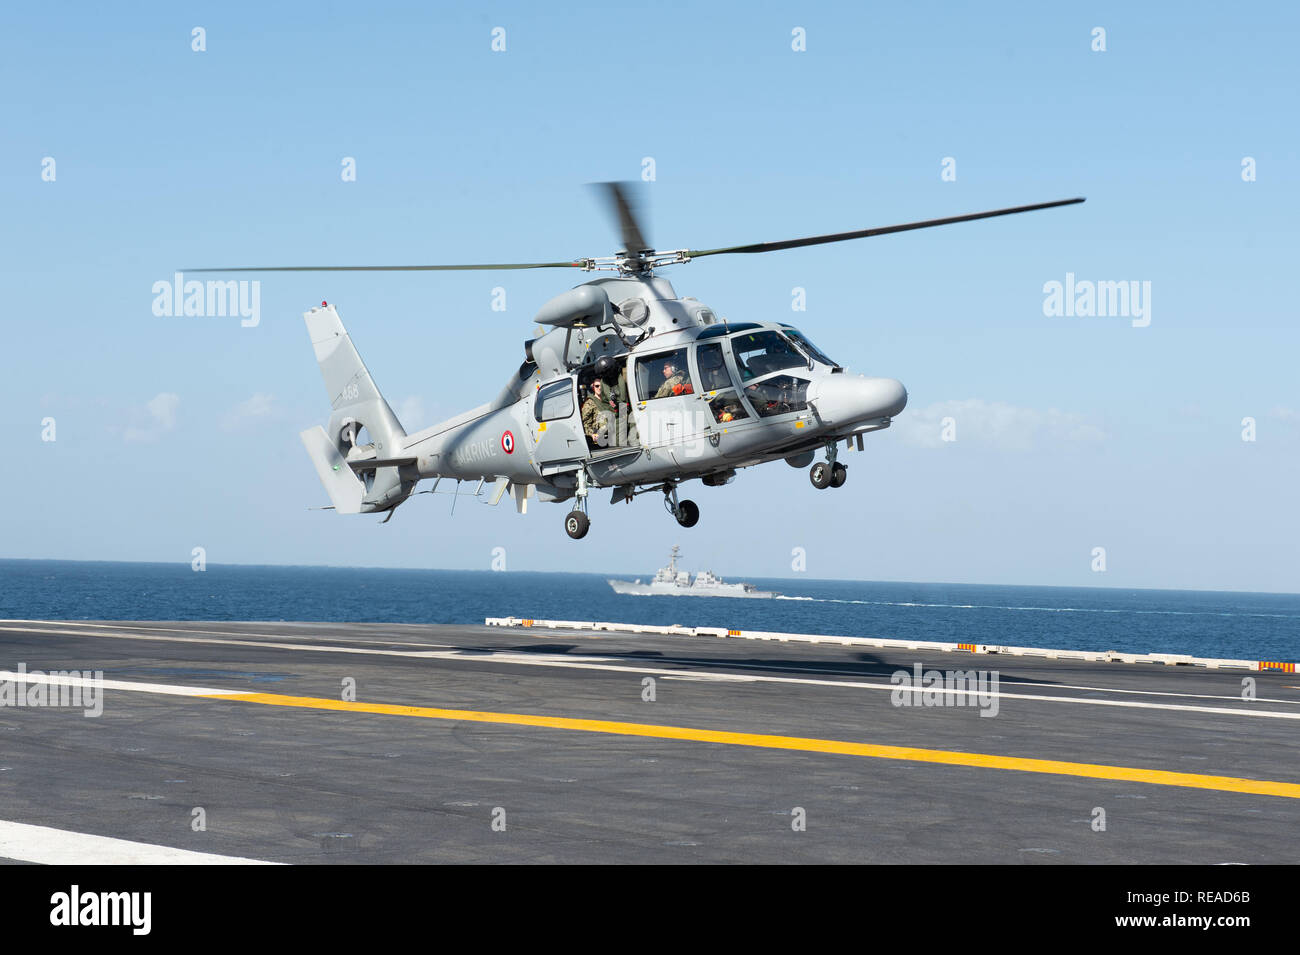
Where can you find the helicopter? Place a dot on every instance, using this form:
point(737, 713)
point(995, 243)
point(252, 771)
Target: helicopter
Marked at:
point(628, 387)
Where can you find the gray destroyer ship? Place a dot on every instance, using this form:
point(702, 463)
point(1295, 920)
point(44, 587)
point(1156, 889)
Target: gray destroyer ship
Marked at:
point(669, 580)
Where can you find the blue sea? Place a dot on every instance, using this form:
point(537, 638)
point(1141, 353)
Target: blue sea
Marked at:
point(1202, 623)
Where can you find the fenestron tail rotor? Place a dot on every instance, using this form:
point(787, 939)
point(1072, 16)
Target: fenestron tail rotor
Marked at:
point(637, 255)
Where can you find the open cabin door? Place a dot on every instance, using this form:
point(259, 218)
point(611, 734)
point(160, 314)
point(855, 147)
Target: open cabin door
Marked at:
point(557, 425)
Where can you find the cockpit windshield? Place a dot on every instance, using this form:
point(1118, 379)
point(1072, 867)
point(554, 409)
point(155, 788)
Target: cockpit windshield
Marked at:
point(813, 351)
point(761, 353)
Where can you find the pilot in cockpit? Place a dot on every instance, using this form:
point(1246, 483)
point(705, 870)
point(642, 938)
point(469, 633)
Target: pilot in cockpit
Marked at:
point(675, 382)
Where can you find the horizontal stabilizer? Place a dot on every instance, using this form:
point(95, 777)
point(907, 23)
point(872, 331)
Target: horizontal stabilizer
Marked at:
point(367, 464)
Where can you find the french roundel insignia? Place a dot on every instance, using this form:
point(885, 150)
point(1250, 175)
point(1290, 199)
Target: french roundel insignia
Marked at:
point(508, 443)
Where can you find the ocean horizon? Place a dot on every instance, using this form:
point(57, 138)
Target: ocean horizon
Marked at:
point(1229, 624)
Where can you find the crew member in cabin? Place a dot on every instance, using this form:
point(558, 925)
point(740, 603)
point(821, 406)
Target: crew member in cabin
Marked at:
point(600, 416)
point(675, 382)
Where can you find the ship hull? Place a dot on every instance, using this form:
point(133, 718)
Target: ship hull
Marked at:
point(668, 590)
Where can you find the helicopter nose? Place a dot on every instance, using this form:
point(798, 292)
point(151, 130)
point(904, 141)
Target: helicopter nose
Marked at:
point(891, 394)
point(841, 399)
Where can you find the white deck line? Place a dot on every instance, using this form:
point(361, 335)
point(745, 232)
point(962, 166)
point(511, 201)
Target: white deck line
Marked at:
point(9, 676)
point(47, 846)
point(598, 663)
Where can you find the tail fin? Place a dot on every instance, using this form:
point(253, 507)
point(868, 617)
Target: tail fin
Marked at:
point(353, 394)
point(359, 411)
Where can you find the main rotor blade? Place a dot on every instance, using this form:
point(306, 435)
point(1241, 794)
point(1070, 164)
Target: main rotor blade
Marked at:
point(620, 196)
point(881, 230)
point(581, 263)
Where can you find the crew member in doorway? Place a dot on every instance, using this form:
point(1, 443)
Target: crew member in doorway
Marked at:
point(599, 415)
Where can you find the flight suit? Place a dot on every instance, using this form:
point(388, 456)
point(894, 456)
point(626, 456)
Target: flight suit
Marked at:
point(666, 388)
point(598, 414)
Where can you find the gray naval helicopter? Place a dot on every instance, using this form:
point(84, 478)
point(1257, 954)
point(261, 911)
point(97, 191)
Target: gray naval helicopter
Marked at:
point(684, 394)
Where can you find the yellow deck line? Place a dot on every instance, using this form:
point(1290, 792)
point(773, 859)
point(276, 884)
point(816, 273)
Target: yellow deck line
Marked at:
point(1157, 777)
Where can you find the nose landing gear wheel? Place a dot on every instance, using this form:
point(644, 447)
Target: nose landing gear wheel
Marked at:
point(688, 515)
point(820, 475)
point(839, 474)
point(576, 525)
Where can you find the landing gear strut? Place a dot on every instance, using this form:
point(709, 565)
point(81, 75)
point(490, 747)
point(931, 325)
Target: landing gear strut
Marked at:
point(576, 522)
point(828, 473)
point(686, 513)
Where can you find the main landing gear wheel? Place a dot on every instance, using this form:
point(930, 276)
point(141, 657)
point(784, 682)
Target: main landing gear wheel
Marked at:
point(688, 515)
point(839, 474)
point(576, 525)
point(684, 512)
point(820, 475)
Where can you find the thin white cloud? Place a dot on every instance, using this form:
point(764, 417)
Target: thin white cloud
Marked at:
point(411, 413)
point(157, 417)
point(258, 406)
point(994, 424)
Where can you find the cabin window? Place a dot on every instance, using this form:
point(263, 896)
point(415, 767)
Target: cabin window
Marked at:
point(634, 311)
point(554, 401)
point(662, 376)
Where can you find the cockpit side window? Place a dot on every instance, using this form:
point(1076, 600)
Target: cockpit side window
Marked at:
point(727, 407)
point(779, 395)
point(716, 383)
point(712, 366)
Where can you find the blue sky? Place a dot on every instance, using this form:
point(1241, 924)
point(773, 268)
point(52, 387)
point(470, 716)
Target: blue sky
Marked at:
point(1072, 432)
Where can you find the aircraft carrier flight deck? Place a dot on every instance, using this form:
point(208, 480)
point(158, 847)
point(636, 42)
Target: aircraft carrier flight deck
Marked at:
point(308, 743)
